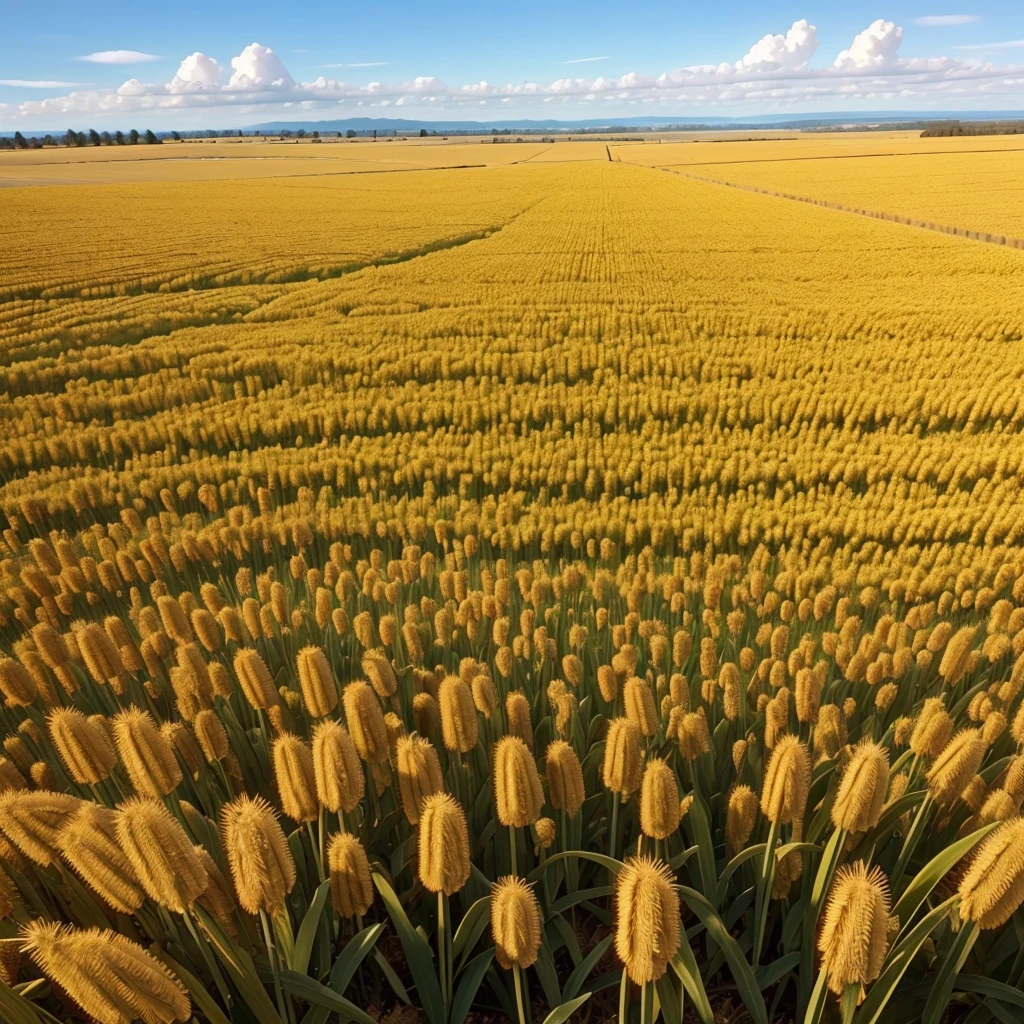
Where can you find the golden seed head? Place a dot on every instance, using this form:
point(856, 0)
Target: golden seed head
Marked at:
point(211, 736)
point(853, 937)
point(88, 843)
point(517, 789)
point(319, 691)
point(50, 644)
point(955, 766)
point(10, 776)
point(787, 780)
point(993, 887)
point(293, 773)
point(572, 669)
point(955, 657)
point(692, 733)
point(262, 866)
point(175, 621)
point(419, 774)
point(426, 716)
point(337, 770)
point(1014, 781)
point(83, 746)
point(998, 806)
point(659, 800)
point(622, 766)
point(380, 672)
point(16, 683)
point(861, 794)
point(349, 872)
point(255, 679)
point(932, 729)
point(544, 830)
point(485, 694)
point(161, 854)
point(565, 778)
point(639, 705)
point(647, 918)
point(32, 821)
point(459, 727)
point(218, 897)
point(741, 817)
point(147, 755)
point(608, 682)
point(204, 625)
point(366, 722)
point(515, 922)
point(443, 845)
point(517, 711)
point(113, 979)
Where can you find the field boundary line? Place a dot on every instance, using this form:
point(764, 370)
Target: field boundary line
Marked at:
point(893, 218)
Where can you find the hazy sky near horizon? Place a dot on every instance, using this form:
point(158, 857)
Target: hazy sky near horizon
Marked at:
point(192, 64)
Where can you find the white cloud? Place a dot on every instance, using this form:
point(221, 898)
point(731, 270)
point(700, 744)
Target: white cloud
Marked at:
point(585, 60)
point(360, 64)
point(196, 72)
point(258, 67)
point(946, 20)
point(794, 50)
point(120, 57)
point(775, 74)
point(1010, 44)
point(37, 83)
point(874, 48)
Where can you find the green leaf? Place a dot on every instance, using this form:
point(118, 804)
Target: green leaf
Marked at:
point(196, 989)
point(569, 938)
point(355, 951)
point(929, 876)
point(586, 966)
point(670, 998)
point(560, 905)
point(897, 961)
point(768, 974)
point(16, 1009)
point(462, 1002)
point(749, 990)
point(816, 1006)
point(685, 966)
point(700, 824)
point(307, 930)
point(471, 927)
point(393, 980)
point(990, 989)
point(545, 968)
point(313, 992)
point(613, 865)
point(562, 1013)
point(418, 954)
point(955, 958)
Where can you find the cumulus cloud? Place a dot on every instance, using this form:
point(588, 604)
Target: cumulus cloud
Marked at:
point(874, 48)
point(258, 67)
point(196, 72)
point(776, 73)
point(120, 57)
point(794, 50)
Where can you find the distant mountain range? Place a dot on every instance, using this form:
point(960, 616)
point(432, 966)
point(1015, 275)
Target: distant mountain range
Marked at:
point(385, 125)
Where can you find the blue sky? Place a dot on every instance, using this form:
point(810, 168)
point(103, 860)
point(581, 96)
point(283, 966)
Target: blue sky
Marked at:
point(487, 61)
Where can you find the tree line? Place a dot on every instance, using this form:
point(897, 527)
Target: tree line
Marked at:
point(73, 139)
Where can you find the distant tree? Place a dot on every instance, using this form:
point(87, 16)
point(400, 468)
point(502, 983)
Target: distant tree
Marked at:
point(151, 139)
point(70, 139)
point(301, 133)
point(133, 138)
point(316, 135)
point(94, 137)
point(423, 133)
point(119, 138)
point(286, 133)
point(375, 133)
point(49, 141)
point(176, 136)
point(256, 133)
point(350, 134)
point(105, 139)
point(83, 139)
point(19, 141)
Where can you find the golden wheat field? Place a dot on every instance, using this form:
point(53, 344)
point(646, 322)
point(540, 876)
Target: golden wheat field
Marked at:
point(537, 585)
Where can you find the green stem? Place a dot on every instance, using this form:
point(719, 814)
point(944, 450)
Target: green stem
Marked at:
point(274, 965)
point(614, 827)
point(518, 983)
